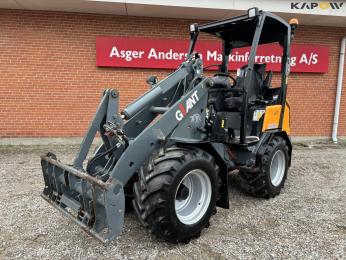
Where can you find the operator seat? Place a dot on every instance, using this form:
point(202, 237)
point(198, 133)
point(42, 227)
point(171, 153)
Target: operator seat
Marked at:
point(255, 88)
point(221, 80)
point(269, 92)
point(216, 98)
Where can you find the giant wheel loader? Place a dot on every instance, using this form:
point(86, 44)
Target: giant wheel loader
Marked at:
point(167, 154)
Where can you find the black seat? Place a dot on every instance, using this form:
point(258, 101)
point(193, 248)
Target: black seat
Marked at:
point(216, 98)
point(233, 104)
point(221, 80)
point(267, 82)
point(270, 93)
point(255, 89)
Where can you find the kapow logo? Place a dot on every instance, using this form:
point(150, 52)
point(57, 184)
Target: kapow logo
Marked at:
point(315, 5)
point(183, 110)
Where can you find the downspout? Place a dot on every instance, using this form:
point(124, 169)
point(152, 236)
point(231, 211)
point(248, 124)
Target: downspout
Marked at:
point(339, 90)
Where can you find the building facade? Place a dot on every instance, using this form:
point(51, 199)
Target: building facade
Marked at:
point(50, 83)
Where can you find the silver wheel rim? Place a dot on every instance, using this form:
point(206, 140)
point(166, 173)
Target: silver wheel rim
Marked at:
point(192, 197)
point(277, 168)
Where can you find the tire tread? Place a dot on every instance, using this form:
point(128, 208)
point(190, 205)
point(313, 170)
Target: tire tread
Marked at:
point(155, 177)
point(257, 184)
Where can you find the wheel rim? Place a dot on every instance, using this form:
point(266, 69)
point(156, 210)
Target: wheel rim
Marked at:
point(277, 168)
point(192, 197)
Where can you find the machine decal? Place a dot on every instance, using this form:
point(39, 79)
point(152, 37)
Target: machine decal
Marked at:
point(190, 102)
point(257, 114)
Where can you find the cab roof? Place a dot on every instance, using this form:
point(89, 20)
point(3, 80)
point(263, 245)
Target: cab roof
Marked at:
point(240, 30)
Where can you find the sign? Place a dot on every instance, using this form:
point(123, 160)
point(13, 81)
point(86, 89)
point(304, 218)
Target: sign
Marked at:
point(316, 5)
point(133, 52)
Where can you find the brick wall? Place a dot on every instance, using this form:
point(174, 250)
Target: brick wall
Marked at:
point(50, 86)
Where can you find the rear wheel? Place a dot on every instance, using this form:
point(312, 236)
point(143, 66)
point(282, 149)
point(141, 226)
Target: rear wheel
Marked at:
point(175, 194)
point(270, 179)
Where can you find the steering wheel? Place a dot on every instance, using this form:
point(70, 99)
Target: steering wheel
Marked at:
point(227, 75)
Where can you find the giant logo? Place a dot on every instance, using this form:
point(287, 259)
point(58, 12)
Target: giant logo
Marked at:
point(183, 110)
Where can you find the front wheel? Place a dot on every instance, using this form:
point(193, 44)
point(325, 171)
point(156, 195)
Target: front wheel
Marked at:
point(270, 179)
point(175, 194)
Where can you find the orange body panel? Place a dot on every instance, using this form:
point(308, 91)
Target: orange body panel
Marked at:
point(272, 118)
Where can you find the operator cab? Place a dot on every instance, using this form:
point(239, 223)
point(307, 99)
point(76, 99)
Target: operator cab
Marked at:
point(236, 103)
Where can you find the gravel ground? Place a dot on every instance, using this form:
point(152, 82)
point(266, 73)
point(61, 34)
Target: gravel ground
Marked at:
point(307, 220)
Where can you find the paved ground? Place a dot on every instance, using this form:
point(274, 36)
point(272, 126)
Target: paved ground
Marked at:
point(307, 221)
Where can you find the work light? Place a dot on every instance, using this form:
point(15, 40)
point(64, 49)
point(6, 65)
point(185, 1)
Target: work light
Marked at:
point(252, 12)
point(193, 27)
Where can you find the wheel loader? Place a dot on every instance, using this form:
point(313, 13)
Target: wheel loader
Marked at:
point(167, 154)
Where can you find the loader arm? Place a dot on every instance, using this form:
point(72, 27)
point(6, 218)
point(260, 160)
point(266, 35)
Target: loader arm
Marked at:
point(155, 135)
point(95, 199)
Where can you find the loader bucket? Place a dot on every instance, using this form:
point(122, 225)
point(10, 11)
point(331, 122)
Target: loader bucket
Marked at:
point(95, 205)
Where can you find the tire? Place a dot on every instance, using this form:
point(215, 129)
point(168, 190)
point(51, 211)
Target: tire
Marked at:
point(166, 187)
point(268, 182)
